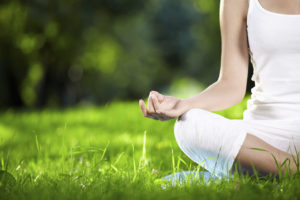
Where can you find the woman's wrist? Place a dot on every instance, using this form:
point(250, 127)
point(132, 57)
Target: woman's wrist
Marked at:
point(184, 105)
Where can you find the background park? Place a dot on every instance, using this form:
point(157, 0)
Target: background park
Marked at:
point(71, 74)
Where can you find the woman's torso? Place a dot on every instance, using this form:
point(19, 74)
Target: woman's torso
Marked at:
point(274, 46)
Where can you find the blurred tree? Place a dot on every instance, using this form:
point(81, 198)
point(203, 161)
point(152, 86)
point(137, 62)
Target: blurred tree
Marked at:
point(63, 52)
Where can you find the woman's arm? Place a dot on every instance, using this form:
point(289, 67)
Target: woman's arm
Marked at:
point(230, 87)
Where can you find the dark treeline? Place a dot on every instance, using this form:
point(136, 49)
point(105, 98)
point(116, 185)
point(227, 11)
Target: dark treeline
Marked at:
point(64, 52)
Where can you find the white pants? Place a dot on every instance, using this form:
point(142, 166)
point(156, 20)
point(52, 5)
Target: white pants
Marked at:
point(214, 141)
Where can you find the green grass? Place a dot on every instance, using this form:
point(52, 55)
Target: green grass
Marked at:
point(110, 152)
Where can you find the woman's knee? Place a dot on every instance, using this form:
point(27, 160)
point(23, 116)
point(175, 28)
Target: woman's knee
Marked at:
point(194, 115)
point(191, 125)
point(199, 129)
point(208, 138)
point(188, 118)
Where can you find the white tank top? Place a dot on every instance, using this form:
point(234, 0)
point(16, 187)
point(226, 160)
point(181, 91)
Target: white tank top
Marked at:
point(274, 46)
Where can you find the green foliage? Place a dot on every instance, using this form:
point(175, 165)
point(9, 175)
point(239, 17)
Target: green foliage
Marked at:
point(61, 53)
point(110, 152)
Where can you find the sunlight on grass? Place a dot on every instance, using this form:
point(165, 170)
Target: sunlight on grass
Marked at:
point(96, 152)
point(5, 133)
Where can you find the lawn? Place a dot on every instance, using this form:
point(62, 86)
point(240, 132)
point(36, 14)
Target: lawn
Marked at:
point(110, 152)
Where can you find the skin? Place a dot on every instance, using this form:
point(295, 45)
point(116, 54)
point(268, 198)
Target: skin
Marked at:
point(230, 88)
point(289, 7)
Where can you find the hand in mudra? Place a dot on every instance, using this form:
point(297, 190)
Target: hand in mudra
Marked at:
point(162, 107)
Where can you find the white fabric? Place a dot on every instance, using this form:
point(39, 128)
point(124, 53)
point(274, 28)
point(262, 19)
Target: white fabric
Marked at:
point(209, 139)
point(274, 42)
point(273, 112)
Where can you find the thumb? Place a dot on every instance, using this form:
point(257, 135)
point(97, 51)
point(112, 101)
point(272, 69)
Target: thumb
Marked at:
point(143, 107)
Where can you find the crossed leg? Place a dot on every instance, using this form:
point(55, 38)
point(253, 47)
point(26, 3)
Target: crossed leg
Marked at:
point(218, 143)
point(264, 161)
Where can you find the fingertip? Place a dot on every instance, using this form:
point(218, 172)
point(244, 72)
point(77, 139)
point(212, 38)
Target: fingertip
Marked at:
point(152, 92)
point(143, 107)
point(159, 96)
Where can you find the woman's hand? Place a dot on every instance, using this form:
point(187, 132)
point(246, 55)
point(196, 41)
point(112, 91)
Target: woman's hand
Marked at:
point(162, 107)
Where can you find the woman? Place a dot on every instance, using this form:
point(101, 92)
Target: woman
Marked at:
point(268, 30)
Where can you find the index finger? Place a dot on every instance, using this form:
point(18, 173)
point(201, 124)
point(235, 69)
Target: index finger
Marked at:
point(156, 104)
point(159, 96)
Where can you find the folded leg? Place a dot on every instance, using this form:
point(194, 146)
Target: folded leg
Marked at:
point(216, 142)
point(209, 139)
point(256, 152)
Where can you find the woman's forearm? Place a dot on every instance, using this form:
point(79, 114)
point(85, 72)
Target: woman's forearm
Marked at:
point(218, 96)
